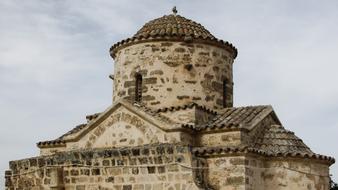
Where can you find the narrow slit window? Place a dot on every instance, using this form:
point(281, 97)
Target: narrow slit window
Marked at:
point(138, 87)
point(224, 93)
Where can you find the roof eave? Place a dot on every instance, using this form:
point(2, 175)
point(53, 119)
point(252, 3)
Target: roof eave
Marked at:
point(136, 40)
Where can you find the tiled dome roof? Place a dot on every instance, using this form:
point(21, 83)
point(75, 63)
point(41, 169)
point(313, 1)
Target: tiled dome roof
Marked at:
point(173, 28)
point(174, 25)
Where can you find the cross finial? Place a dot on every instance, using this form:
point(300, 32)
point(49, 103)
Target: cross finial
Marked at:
point(174, 10)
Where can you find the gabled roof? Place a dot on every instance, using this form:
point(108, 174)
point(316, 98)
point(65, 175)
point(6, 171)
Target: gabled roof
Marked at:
point(149, 115)
point(230, 118)
point(237, 118)
point(61, 140)
point(271, 141)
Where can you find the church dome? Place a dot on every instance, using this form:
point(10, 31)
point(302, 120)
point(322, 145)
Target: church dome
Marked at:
point(173, 27)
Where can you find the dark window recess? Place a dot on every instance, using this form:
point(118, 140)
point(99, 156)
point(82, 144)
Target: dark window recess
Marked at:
point(138, 88)
point(224, 93)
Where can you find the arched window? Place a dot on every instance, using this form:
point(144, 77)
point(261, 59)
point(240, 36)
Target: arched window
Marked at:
point(224, 93)
point(138, 87)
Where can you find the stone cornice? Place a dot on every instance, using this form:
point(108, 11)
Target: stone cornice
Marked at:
point(219, 151)
point(136, 40)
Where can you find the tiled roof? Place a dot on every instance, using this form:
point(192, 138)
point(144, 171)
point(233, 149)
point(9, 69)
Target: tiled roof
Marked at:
point(272, 141)
point(187, 106)
point(173, 25)
point(74, 130)
point(176, 28)
point(210, 151)
point(61, 141)
point(277, 140)
point(52, 143)
point(240, 117)
point(153, 113)
point(92, 116)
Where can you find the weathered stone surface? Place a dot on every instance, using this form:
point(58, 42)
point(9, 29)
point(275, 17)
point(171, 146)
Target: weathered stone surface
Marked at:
point(123, 175)
point(201, 78)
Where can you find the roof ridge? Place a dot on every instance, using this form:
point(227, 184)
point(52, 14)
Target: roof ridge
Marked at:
point(92, 116)
point(249, 106)
point(186, 106)
point(60, 140)
point(143, 108)
point(153, 113)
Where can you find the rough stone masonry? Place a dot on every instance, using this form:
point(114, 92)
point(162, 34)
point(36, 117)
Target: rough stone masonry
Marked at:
point(172, 125)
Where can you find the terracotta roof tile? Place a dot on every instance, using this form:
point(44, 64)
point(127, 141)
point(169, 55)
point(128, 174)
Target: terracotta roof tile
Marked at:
point(74, 130)
point(173, 27)
point(240, 117)
point(209, 151)
point(52, 143)
point(92, 116)
point(273, 141)
point(277, 140)
point(62, 140)
point(153, 113)
point(184, 107)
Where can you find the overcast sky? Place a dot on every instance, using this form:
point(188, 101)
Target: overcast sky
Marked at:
point(54, 63)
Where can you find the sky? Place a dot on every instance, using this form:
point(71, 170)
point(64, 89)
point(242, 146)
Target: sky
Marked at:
point(55, 63)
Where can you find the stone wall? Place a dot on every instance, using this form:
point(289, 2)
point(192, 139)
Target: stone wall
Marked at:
point(174, 73)
point(259, 173)
point(154, 167)
point(225, 138)
point(190, 116)
point(285, 174)
point(164, 166)
point(227, 173)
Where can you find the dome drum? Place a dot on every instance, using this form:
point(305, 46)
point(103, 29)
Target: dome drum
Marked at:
point(179, 61)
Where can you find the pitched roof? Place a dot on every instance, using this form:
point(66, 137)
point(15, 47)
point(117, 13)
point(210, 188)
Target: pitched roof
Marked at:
point(230, 118)
point(272, 141)
point(277, 140)
point(92, 116)
point(236, 118)
point(151, 114)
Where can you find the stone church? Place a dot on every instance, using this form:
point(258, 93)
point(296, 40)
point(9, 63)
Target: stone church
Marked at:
point(172, 125)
